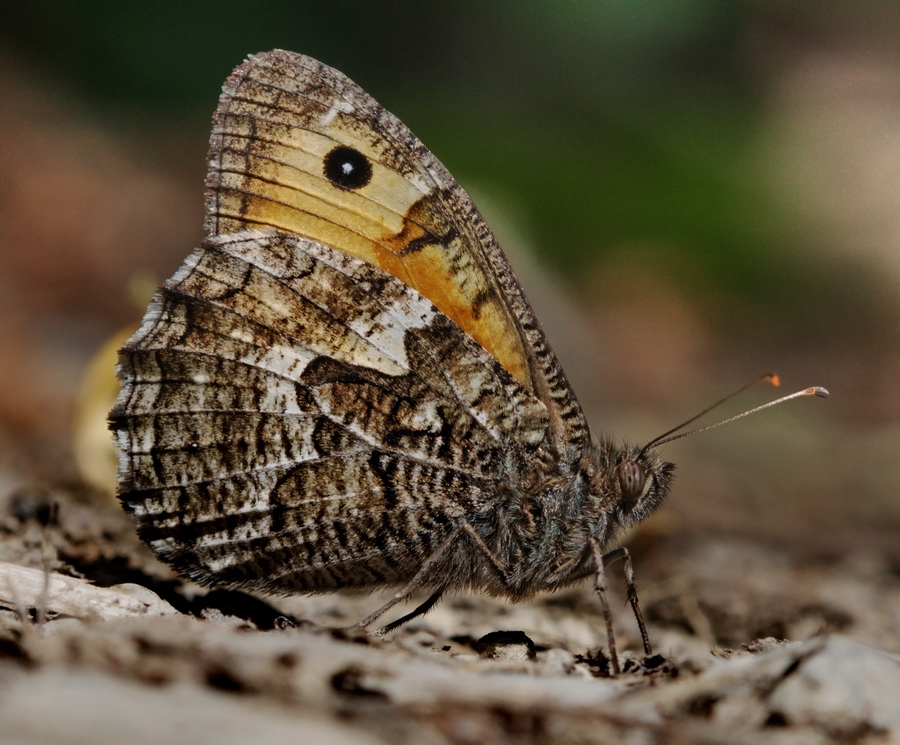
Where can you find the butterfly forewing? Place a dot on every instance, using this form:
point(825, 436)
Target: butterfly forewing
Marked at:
point(280, 117)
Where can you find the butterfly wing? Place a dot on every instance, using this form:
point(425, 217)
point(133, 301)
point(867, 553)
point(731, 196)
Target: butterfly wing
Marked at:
point(297, 146)
point(295, 418)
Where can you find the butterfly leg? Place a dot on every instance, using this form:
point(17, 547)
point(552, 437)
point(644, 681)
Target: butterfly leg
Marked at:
point(630, 591)
point(480, 544)
point(420, 611)
point(600, 587)
point(416, 582)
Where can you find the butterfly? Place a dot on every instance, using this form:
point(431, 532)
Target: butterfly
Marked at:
point(344, 386)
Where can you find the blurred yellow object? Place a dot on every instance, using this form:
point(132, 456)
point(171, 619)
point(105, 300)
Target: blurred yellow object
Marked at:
point(95, 455)
point(92, 442)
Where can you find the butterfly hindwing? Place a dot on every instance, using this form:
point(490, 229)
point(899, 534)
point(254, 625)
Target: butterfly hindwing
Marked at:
point(280, 391)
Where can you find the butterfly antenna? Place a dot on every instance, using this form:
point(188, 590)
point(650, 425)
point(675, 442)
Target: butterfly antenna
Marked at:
point(771, 378)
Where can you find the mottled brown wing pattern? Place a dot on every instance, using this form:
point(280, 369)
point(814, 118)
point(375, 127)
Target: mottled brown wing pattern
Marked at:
point(290, 414)
point(281, 116)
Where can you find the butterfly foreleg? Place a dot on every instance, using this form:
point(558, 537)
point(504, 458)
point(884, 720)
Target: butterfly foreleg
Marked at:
point(601, 561)
point(631, 591)
point(600, 586)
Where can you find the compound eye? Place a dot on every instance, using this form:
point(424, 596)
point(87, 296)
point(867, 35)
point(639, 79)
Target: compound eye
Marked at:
point(632, 480)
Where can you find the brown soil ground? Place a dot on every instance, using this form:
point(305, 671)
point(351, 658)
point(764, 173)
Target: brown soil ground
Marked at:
point(225, 667)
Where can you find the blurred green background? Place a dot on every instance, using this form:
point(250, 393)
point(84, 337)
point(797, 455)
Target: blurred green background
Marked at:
point(694, 193)
point(613, 123)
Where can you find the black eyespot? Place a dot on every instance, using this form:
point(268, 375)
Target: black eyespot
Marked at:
point(347, 168)
point(632, 479)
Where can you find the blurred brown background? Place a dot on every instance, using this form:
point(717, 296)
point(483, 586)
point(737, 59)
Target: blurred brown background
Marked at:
point(694, 193)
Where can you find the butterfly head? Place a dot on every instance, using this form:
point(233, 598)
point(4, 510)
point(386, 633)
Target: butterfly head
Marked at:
point(629, 482)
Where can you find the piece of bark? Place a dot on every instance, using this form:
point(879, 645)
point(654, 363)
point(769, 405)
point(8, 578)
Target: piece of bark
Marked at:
point(51, 595)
